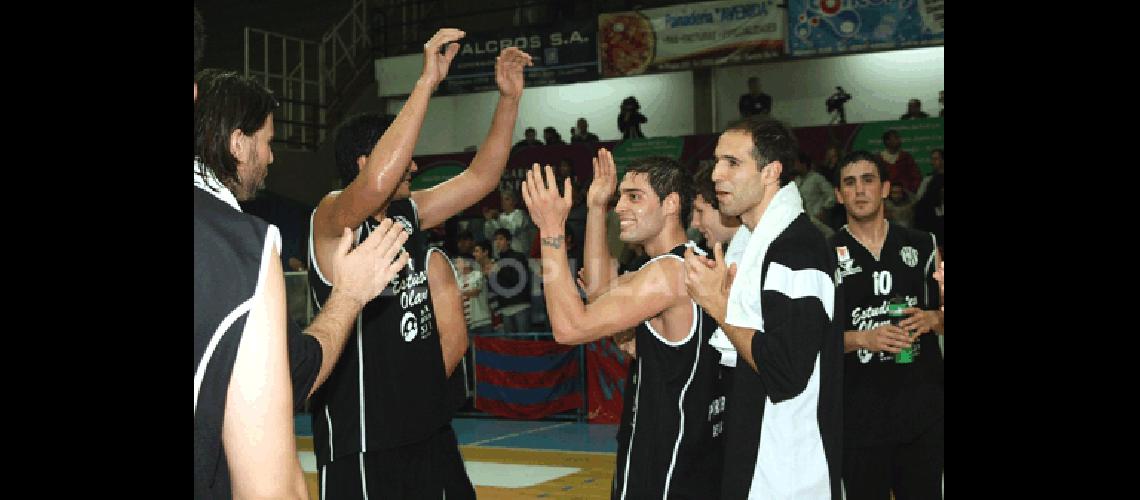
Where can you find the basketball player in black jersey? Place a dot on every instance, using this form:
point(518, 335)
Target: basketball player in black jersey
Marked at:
point(381, 423)
point(672, 447)
point(893, 412)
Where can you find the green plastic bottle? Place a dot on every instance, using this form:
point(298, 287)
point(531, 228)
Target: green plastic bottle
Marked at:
point(895, 311)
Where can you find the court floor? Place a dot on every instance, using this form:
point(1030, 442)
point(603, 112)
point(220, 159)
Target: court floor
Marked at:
point(511, 459)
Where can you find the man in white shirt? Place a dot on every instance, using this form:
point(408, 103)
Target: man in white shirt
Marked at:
point(473, 289)
point(816, 192)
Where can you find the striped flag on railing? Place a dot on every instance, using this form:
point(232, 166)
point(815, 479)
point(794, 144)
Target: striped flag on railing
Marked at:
point(527, 379)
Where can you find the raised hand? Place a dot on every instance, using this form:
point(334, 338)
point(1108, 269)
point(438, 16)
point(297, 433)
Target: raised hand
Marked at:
point(363, 272)
point(605, 181)
point(547, 208)
point(509, 67)
point(436, 63)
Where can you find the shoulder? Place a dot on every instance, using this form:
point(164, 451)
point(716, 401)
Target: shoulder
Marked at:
point(800, 245)
point(922, 240)
point(666, 271)
point(215, 221)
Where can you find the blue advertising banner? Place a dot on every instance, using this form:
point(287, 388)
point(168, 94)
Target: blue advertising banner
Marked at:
point(820, 27)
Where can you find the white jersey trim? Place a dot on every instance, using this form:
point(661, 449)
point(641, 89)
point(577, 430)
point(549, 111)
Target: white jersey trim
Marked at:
point(802, 283)
point(696, 315)
point(272, 242)
point(632, 433)
point(328, 420)
point(313, 255)
point(681, 409)
point(929, 268)
point(363, 477)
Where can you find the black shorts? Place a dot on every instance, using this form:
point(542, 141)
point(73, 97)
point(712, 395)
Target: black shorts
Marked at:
point(428, 469)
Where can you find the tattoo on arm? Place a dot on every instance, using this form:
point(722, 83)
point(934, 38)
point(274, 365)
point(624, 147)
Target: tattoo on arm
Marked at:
point(553, 241)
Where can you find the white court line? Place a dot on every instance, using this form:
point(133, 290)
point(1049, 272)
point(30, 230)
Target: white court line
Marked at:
point(514, 475)
point(540, 429)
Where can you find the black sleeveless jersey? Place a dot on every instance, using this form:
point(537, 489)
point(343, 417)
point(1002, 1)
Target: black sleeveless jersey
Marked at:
point(388, 387)
point(230, 252)
point(886, 402)
point(672, 447)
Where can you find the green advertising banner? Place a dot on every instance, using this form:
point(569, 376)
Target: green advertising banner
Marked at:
point(437, 174)
point(918, 138)
point(632, 149)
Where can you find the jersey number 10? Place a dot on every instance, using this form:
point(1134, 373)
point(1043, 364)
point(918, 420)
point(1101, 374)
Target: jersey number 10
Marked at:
point(881, 280)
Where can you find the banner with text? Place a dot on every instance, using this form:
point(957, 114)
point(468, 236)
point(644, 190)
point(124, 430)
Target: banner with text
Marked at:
point(690, 36)
point(818, 27)
point(564, 53)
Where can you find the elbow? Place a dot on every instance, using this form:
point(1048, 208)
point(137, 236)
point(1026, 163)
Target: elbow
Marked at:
point(566, 335)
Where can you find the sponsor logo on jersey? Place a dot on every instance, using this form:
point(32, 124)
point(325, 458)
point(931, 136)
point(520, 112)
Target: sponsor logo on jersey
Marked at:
point(846, 265)
point(909, 255)
point(842, 254)
point(408, 326)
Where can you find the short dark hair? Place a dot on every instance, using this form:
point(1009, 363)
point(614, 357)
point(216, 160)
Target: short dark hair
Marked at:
point(226, 102)
point(704, 185)
point(861, 155)
point(666, 175)
point(465, 235)
point(504, 232)
point(485, 245)
point(888, 134)
point(771, 141)
point(939, 151)
point(356, 137)
point(199, 39)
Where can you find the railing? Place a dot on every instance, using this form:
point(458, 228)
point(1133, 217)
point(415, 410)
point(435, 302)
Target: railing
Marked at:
point(309, 78)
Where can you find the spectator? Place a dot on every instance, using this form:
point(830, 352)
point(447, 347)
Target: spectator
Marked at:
point(630, 119)
point(900, 164)
point(914, 110)
point(836, 217)
point(473, 288)
point(755, 102)
point(512, 219)
point(816, 192)
point(510, 279)
point(464, 243)
point(941, 103)
point(900, 207)
point(552, 137)
point(528, 140)
point(930, 207)
point(581, 134)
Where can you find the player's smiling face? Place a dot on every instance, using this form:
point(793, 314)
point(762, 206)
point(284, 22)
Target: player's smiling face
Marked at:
point(638, 209)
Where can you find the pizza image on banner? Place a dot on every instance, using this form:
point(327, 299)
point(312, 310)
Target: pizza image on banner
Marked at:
point(626, 43)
